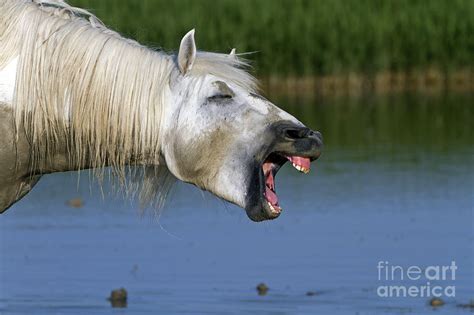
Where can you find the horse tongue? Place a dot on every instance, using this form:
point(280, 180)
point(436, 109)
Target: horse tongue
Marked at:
point(271, 196)
point(301, 161)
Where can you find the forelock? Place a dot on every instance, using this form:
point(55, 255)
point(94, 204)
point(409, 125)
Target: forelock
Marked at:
point(226, 67)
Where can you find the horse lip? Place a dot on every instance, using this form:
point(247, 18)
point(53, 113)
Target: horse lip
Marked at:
point(315, 156)
point(261, 213)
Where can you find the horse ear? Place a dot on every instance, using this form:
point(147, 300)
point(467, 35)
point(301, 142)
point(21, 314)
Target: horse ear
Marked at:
point(187, 52)
point(232, 52)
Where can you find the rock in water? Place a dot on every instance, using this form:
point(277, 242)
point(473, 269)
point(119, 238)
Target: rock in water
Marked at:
point(75, 203)
point(469, 305)
point(262, 289)
point(436, 302)
point(118, 298)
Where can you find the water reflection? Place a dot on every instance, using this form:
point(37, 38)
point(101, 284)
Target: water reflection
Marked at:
point(393, 123)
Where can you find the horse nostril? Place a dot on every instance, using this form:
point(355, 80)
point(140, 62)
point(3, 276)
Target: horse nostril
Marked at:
point(303, 133)
point(298, 133)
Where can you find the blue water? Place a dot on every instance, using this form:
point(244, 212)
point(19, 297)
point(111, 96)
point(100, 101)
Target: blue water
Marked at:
point(409, 207)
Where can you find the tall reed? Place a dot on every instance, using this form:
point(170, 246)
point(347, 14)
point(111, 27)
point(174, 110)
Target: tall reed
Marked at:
point(308, 37)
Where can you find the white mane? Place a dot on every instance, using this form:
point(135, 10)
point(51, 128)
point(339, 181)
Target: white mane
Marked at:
point(81, 82)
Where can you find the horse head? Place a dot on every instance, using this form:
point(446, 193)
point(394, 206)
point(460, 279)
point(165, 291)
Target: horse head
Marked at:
point(223, 137)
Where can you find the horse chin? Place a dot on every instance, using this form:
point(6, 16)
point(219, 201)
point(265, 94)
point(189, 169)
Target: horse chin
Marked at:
point(266, 205)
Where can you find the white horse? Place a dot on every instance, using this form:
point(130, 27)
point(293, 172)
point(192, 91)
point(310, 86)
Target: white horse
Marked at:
point(76, 95)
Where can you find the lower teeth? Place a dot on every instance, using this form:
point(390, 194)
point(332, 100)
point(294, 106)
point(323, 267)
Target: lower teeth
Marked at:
point(272, 207)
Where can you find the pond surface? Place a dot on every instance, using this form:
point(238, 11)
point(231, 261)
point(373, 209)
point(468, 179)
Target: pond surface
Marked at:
point(395, 184)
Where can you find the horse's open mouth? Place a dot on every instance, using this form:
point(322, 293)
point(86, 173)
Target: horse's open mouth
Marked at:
point(270, 167)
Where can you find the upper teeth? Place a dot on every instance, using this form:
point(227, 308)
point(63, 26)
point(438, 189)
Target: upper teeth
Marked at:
point(301, 168)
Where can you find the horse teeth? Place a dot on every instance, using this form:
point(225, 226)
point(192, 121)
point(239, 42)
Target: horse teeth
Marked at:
point(301, 168)
point(272, 208)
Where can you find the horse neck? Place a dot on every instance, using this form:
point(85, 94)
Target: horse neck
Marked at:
point(87, 98)
point(103, 113)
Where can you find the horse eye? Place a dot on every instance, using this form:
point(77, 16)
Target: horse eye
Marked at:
point(220, 97)
point(223, 92)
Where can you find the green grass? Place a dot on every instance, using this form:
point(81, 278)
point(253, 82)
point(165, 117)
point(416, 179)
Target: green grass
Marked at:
point(298, 37)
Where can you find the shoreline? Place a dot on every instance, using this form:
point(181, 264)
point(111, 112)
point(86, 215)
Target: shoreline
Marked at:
point(431, 81)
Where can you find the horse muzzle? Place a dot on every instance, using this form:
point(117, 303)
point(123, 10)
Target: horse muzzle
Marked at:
point(290, 142)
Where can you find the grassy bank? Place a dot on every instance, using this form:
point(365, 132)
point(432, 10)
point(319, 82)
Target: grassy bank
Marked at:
point(428, 81)
point(307, 38)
